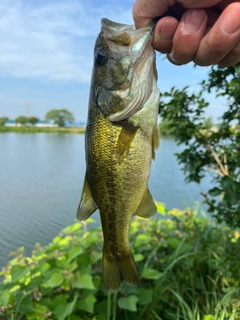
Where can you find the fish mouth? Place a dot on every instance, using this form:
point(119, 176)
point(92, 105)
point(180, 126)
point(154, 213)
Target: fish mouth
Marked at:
point(127, 35)
point(135, 43)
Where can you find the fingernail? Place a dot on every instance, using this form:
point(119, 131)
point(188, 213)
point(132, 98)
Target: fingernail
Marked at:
point(172, 60)
point(231, 23)
point(167, 31)
point(193, 20)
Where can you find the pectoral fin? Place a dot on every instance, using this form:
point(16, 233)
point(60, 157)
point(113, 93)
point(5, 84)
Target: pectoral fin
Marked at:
point(147, 207)
point(87, 205)
point(124, 142)
point(155, 141)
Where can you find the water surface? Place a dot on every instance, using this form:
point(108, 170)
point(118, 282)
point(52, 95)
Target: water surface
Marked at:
point(41, 180)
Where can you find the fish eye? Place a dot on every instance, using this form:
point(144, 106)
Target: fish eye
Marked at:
point(101, 57)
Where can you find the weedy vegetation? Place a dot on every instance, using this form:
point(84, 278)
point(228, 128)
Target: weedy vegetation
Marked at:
point(189, 266)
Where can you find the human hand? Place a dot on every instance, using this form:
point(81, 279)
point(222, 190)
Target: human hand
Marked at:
point(206, 32)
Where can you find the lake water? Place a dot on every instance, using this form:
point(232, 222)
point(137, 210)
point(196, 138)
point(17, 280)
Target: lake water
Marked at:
point(41, 177)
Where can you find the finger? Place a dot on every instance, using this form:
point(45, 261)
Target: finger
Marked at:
point(232, 58)
point(198, 4)
point(164, 32)
point(145, 11)
point(188, 35)
point(222, 37)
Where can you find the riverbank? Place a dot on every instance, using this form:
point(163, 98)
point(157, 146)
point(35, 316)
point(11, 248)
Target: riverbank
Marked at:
point(189, 269)
point(72, 130)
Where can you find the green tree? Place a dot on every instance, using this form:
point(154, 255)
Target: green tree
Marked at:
point(207, 148)
point(21, 120)
point(3, 120)
point(33, 120)
point(59, 116)
point(165, 127)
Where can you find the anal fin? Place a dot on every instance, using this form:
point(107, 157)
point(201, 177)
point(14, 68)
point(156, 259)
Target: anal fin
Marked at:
point(87, 204)
point(147, 207)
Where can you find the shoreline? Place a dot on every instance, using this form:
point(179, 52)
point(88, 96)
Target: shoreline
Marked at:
point(58, 130)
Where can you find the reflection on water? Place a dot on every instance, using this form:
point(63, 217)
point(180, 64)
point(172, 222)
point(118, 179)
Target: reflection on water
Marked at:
point(41, 179)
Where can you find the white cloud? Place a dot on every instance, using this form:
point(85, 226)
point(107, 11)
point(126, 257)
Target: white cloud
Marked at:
point(53, 39)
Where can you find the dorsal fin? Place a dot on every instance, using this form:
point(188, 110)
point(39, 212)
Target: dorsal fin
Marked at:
point(87, 204)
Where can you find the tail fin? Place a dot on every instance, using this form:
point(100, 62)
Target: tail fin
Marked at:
point(118, 270)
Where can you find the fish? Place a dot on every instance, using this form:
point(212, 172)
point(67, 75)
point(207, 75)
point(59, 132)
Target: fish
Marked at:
point(120, 142)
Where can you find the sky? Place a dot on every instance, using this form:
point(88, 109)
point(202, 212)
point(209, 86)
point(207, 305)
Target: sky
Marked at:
point(46, 56)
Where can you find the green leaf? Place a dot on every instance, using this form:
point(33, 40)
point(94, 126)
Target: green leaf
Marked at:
point(26, 305)
point(72, 228)
point(151, 274)
point(215, 192)
point(208, 317)
point(99, 317)
point(101, 307)
point(226, 182)
point(74, 252)
point(138, 257)
point(34, 283)
point(161, 208)
point(40, 312)
point(18, 272)
point(173, 241)
point(145, 296)
point(62, 311)
point(54, 281)
point(87, 304)
point(4, 297)
point(128, 303)
point(84, 282)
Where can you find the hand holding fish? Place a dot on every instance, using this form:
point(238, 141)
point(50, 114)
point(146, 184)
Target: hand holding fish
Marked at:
point(206, 32)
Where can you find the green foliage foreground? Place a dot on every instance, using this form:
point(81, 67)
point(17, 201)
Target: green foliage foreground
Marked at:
point(189, 266)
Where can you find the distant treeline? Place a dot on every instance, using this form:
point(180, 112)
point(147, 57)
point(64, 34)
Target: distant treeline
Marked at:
point(59, 117)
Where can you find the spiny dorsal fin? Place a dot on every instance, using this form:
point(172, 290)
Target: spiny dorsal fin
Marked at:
point(87, 205)
point(155, 140)
point(124, 142)
point(147, 207)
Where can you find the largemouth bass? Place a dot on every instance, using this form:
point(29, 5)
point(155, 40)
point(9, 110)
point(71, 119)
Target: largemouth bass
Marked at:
point(120, 142)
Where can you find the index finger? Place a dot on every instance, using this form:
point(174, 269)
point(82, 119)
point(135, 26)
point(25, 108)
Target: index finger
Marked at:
point(144, 11)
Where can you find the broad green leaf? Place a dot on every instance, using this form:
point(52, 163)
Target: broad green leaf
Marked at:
point(59, 300)
point(214, 192)
point(99, 317)
point(161, 208)
point(208, 317)
point(87, 304)
point(72, 228)
point(145, 296)
point(128, 303)
point(74, 252)
point(26, 305)
point(34, 283)
point(101, 307)
point(84, 282)
point(173, 241)
point(151, 274)
point(138, 257)
point(4, 297)
point(18, 272)
point(54, 281)
point(62, 311)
